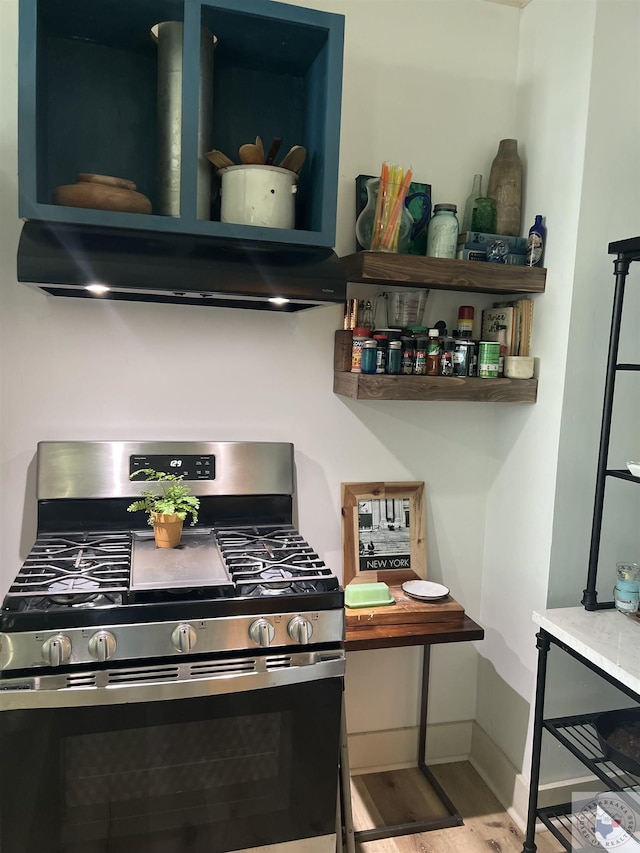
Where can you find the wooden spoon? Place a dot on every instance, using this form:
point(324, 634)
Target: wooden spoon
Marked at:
point(218, 159)
point(294, 159)
point(260, 148)
point(273, 150)
point(251, 155)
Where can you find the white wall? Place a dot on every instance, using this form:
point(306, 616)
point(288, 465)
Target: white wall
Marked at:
point(428, 84)
point(579, 120)
point(551, 124)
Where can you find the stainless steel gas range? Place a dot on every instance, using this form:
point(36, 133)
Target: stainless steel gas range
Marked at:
point(170, 700)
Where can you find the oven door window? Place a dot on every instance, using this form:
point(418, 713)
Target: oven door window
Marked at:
point(208, 775)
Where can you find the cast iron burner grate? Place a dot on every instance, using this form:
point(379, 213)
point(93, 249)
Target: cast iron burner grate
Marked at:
point(271, 561)
point(73, 569)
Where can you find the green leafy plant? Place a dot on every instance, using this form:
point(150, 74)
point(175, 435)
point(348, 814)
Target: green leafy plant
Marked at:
point(174, 498)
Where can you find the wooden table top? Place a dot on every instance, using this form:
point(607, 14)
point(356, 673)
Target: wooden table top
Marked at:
point(409, 623)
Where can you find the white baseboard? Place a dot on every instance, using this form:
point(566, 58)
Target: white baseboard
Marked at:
point(395, 749)
point(509, 785)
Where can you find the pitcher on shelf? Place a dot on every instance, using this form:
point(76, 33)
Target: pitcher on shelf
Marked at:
point(406, 230)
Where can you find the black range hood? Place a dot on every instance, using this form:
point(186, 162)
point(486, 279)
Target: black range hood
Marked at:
point(64, 260)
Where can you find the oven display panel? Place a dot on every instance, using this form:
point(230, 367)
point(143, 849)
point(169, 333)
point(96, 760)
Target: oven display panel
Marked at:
point(188, 466)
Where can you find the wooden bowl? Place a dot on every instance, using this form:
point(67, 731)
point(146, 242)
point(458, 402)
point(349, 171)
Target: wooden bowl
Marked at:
point(107, 180)
point(100, 196)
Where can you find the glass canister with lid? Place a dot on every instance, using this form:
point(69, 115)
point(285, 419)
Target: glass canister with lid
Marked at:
point(442, 233)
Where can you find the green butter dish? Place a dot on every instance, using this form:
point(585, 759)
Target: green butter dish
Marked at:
point(367, 595)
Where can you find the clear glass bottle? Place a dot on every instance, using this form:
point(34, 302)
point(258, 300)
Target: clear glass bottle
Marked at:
point(442, 234)
point(470, 203)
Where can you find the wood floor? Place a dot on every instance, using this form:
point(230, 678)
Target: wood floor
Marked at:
point(404, 795)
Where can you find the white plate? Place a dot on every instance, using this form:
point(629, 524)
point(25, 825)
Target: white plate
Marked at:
point(634, 468)
point(425, 590)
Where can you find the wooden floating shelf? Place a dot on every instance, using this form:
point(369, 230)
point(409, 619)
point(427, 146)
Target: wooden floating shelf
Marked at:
point(390, 269)
point(468, 389)
point(464, 389)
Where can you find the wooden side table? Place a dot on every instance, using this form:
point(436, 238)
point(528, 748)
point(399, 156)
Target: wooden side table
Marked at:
point(378, 633)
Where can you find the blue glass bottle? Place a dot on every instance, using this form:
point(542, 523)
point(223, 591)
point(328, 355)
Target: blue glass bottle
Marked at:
point(536, 242)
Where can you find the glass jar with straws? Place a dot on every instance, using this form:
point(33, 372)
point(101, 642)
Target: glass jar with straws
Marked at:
point(385, 223)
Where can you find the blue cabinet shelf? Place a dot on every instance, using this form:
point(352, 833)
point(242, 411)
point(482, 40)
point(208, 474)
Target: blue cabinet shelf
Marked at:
point(88, 103)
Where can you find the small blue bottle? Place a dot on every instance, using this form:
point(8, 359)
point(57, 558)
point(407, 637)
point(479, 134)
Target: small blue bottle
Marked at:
point(536, 243)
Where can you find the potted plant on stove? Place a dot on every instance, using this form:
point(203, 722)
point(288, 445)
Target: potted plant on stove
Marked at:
point(167, 509)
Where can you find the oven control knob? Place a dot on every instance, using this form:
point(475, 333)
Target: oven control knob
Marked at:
point(56, 650)
point(102, 646)
point(300, 630)
point(261, 632)
point(184, 638)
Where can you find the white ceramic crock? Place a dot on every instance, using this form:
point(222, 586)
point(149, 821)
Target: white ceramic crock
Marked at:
point(258, 195)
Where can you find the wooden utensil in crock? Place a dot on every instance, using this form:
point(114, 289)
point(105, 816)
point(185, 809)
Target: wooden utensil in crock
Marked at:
point(219, 159)
point(294, 159)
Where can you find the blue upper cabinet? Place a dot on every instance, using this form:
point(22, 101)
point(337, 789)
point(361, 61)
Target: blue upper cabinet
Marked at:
point(93, 99)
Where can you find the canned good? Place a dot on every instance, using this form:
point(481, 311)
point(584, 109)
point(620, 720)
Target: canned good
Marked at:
point(488, 359)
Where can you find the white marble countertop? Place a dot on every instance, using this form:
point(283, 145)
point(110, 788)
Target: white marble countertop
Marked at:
point(607, 638)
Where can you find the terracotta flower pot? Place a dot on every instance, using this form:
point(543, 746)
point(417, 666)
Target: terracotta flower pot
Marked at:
point(167, 530)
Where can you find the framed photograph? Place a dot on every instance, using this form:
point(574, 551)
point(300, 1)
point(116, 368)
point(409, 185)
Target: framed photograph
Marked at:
point(383, 537)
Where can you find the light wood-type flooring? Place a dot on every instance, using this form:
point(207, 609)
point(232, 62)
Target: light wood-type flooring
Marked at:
point(400, 796)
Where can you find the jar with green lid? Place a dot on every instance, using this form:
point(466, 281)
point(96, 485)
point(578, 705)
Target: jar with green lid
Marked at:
point(417, 331)
point(442, 234)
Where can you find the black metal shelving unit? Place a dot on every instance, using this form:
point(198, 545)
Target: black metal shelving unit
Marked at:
point(626, 251)
point(577, 734)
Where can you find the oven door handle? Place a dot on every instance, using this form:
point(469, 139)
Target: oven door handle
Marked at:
point(184, 680)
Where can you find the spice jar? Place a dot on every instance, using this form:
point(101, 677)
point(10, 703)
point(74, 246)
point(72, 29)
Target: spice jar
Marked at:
point(408, 355)
point(381, 352)
point(442, 233)
point(433, 353)
point(394, 357)
point(368, 358)
point(446, 357)
point(360, 335)
point(420, 365)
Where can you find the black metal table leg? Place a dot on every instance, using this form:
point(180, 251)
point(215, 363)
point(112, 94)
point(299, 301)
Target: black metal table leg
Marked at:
point(453, 818)
point(542, 643)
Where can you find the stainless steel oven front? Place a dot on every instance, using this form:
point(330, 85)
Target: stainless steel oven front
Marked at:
point(182, 700)
point(234, 753)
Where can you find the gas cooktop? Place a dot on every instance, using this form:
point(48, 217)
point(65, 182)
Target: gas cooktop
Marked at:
point(72, 579)
point(243, 580)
